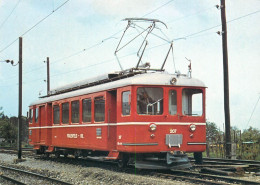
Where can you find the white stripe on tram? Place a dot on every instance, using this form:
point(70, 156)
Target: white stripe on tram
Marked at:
point(118, 124)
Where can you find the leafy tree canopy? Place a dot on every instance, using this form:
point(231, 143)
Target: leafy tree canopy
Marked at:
point(212, 132)
point(251, 134)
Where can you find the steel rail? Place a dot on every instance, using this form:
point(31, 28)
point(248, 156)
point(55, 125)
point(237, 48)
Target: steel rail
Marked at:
point(232, 160)
point(11, 180)
point(35, 174)
point(215, 177)
point(12, 148)
point(191, 179)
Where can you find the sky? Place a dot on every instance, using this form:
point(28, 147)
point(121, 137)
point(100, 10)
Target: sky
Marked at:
point(80, 38)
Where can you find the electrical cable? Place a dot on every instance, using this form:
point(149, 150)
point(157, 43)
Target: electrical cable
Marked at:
point(195, 13)
point(158, 8)
point(92, 65)
point(232, 20)
point(71, 55)
point(33, 26)
point(10, 14)
point(187, 36)
point(252, 112)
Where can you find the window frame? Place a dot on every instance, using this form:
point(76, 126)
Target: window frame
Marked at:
point(129, 103)
point(36, 114)
point(65, 102)
point(71, 111)
point(163, 100)
point(53, 106)
point(98, 96)
point(177, 104)
point(202, 102)
point(91, 109)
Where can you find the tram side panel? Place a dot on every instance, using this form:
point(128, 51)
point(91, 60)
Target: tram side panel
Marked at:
point(93, 135)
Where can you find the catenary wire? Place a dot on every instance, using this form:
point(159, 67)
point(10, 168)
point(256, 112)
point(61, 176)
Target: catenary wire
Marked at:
point(253, 111)
point(192, 14)
point(157, 8)
point(232, 20)
point(192, 35)
point(33, 26)
point(10, 14)
point(75, 54)
point(84, 67)
point(69, 56)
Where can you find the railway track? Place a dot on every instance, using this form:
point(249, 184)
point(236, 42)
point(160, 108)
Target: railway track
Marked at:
point(190, 176)
point(196, 177)
point(227, 167)
point(227, 161)
point(10, 174)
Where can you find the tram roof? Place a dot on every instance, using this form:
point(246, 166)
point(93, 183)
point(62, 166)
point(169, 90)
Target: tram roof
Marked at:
point(154, 78)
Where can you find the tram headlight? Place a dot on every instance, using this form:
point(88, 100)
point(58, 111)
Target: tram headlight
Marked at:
point(173, 80)
point(152, 127)
point(192, 127)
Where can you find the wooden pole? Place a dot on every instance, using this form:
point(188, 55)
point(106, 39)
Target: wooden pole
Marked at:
point(226, 80)
point(48, 76)
point(20, 98)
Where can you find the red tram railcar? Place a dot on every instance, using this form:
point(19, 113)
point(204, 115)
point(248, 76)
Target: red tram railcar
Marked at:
point(147, 118)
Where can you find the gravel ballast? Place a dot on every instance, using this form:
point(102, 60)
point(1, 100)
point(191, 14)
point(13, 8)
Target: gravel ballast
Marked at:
point(78, 174)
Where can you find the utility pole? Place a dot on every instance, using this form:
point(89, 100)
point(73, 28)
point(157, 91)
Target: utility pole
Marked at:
point(20, 97)
point(226, 79)
point(48, 76)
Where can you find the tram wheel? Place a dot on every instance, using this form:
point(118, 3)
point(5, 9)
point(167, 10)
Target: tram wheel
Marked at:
point(46, 155)
point(198, 157)
point(57, 154)
point(122, 163)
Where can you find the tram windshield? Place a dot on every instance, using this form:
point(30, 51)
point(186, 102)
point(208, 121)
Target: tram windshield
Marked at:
point(192, 102)
point(149, 101)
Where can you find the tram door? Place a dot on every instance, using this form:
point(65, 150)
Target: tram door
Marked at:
point(111, 118)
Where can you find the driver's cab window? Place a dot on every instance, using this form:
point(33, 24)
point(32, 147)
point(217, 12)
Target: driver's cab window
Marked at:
point(149, 101)
point(192, 102)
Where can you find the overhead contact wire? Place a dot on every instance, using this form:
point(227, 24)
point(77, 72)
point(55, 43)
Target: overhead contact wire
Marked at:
point(10, 14)
point(34, 26)
point(158, 8)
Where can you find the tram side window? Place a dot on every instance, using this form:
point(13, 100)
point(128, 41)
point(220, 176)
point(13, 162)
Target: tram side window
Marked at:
point(192, 102)
point(30, 115)
point(126, 107)
point(149, 101)
point(86, 110)
point(75, 112)
point(172, 102)
point(56, 114)
point(99, 104)
point(36, 115)
point(65, 113)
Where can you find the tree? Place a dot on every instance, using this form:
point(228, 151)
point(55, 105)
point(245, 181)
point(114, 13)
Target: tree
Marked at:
point(8, 131)
point(251, 134)
point(213, 134)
